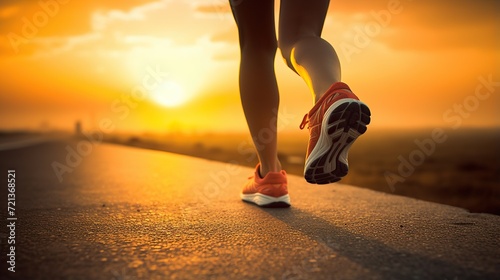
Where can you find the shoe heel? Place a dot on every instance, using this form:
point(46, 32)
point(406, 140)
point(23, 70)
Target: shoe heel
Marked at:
point(354, 116)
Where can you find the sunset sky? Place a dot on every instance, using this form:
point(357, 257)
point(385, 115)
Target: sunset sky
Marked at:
point(64, 61)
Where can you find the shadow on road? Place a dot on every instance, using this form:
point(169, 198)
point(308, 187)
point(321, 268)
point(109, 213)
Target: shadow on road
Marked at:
point(388, 262)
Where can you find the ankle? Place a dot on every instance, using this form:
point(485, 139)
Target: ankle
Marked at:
point(324, 90)
point(266, 168)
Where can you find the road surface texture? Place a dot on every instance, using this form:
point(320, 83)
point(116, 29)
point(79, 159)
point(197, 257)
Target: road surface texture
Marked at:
point(127, 213)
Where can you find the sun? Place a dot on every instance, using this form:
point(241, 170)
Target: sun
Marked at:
point(169, 94)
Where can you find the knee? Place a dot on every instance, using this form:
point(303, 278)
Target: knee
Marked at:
point(286, 47)
point(268, 47)
point(286, 53)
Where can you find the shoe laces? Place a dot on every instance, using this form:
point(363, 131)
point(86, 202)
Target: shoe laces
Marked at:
point(305, 121)
point(328, 96)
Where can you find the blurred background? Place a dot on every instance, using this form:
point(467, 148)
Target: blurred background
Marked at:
point(164, 75)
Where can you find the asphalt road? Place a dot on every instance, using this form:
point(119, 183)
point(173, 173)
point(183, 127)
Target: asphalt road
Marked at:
point(126, 213)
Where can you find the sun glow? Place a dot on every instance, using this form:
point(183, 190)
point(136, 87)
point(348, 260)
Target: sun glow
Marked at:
point(169, 94)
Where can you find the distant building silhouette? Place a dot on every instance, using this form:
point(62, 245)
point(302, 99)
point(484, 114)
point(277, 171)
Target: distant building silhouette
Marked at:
point(78, 129)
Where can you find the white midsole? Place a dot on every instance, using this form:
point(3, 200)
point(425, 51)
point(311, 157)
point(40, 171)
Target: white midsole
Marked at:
point(262, 199)
point(324, 141)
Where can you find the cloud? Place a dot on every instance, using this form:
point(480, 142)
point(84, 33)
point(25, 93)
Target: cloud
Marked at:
point(118, 25)
point(8, 12)
point(100, 19)
point(217, 7)
point(69, 18)
point(151, 21)
point(425, 25)
point(25, 25)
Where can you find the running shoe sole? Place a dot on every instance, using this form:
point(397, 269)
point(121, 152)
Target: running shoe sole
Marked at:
point(342, 124)
point(266, 201)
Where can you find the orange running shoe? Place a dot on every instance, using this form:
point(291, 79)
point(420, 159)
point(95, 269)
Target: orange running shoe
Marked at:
point(270, 191)
point(335, 121)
